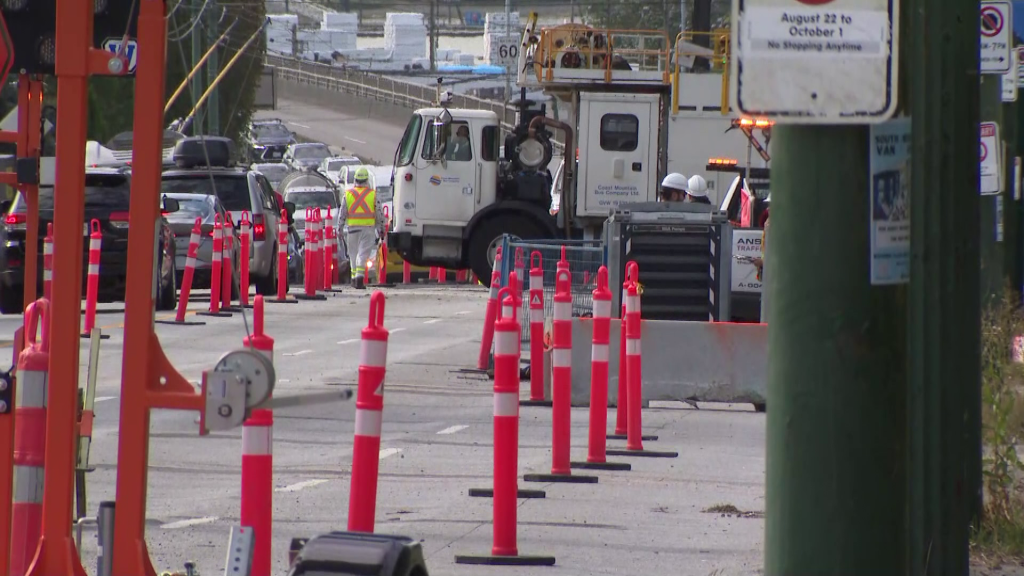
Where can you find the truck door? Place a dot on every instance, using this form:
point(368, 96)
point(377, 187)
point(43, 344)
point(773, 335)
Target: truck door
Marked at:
point(618, 161)
point(446, 191)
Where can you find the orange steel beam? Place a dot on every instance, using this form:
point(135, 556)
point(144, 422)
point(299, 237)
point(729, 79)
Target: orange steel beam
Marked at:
point(7, 469)
point(29, 129)
point(147, 378)
point(75, 61)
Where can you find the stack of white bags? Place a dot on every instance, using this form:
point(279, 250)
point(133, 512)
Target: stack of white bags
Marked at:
point(499, 32)
point(405, 35)
point(339, 29)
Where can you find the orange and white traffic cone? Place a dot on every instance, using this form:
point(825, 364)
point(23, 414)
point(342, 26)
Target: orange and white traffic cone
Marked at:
point(257, 502)
point(48, 262)
point(245, 235)
point(188, 276)
point(93, 281)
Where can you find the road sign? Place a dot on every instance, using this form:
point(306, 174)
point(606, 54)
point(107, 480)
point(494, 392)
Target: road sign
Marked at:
point(131, 52)
point(996, 19)
point(1010, 80)
point(6, 51)
point(815, 61)
point(503, 50)
point(991, 172)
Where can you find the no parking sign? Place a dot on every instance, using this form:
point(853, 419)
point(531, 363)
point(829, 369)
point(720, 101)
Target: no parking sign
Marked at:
point(991, 172)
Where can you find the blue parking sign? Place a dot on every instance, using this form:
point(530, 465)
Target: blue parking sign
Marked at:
point(130, 52)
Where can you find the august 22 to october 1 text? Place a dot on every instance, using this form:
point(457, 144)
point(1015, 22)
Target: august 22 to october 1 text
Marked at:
point(782, 32)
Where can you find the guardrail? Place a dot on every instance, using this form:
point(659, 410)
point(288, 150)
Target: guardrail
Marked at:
point(381, 88)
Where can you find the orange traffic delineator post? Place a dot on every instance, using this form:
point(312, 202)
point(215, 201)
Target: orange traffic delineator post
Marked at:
point(48, 262)
point(282, 263)
point(484, 359)
point(507, 310)
point(30, 438)
point(187, 277)
point(93, 279)
point(536, 305)
point(520, 270)
point(599, 359)
point(622, 402)
point(245, 239)
point(227, 262)
point(406, 272)
point(257, 502)
point(331, 273)
point(634, 384)
point(216, 271)
point(373, 354)
point(505, 550)
point(561, 387)
point(310, 264)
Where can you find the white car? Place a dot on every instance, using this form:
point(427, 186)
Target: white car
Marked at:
point(332, 167)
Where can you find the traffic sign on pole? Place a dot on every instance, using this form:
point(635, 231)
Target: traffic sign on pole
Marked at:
point(1010, 79)
point(991, 167)
point(996, 22)
point(6, 51)
point(815, 61)
point(130, 51)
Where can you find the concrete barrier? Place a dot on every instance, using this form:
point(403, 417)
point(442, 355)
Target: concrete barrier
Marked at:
point(702, 361)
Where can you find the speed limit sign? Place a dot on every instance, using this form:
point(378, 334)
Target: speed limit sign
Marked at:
point(504, 50)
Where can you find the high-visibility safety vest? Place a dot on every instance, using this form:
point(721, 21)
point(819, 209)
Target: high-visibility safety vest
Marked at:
point(359, 205)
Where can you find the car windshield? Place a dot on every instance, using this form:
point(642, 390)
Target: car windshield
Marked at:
point(110, 191)
point(337, 165)
point(270, 131)
point(191, 207)
point(311, 152)
point(273, 172)
point(312, 199)
point(233, 190)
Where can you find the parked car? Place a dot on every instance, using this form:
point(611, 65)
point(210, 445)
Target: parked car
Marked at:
point(268, 139)
point(306, 156)
point(206, 208)
point(331, 167)
point(107, 194)
point(238, 189)
point(275, 172)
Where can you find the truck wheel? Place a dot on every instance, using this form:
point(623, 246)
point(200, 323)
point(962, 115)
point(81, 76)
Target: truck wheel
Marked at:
point(482, 241)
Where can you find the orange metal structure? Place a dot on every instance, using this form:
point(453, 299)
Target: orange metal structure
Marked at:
point(30, 99)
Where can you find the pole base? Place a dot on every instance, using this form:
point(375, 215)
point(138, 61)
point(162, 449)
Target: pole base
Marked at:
point(542, 403)
point(566, 478)
point(613, 466)
point(87, 336)
point(220, 314)
point(307, 297)
point(285, 301)
point(489, 493)
point(643, 453)
point(651, 438)
point(182, 323)
point(517, 560)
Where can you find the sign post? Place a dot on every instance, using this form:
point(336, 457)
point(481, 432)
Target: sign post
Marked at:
point(996, 19)
point(991, 167)
point(1010, 79)
point(815, 61)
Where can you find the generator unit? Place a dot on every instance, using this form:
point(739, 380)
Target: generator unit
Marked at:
point(684, 251)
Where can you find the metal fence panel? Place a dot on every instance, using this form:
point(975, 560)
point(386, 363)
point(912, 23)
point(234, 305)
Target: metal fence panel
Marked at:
point(585, 257)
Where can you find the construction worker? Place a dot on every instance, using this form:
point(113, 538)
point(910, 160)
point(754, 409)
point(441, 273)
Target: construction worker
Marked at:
point(697, 190)
point(359, 214)
point(673, 188)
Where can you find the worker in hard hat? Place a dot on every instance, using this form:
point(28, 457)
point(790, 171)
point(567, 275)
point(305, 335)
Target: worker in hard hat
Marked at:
point(697, 190)
point(673, 188)
point(360, 216)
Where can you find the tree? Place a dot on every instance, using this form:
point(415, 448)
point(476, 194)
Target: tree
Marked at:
point(650, 14)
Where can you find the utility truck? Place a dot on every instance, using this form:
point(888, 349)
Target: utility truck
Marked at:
point(456, 192)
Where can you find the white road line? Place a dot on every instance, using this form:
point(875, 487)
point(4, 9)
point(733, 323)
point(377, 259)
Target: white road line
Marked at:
point(190, 522)
point(350, 341)
point(464, 312)
point(299, 125)
point(301, 485)
point(453, 429)
point(354, 140)
point(389, 452)
point(283, 380)
point(299, 353)
point(104, 398)
point(434, 321)
point(393, 330)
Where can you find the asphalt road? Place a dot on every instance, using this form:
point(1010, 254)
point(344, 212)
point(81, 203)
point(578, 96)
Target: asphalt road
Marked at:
point(436, 444)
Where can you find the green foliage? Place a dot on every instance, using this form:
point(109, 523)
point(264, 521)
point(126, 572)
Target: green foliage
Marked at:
point(1002, 527)
point(649, 15)
point(111, 100)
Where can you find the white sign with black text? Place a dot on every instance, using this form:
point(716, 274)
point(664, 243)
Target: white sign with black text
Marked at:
point(815, 61)
point(996, 22)
point(991, 174)
point(1010, 81)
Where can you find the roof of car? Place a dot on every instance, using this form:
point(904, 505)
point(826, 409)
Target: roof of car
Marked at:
point(205, 171)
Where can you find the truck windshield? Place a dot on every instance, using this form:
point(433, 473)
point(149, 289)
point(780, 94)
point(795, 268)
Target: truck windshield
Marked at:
point(407, 148)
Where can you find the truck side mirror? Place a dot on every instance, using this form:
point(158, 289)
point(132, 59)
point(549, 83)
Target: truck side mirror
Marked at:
point(171, 205)
point(290, 208)
point(440, 129)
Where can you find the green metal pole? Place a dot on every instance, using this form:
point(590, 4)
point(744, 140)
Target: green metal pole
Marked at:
point(835, 497)
point(1011, 245)
point(197, 85)
point(944, 324)
point(212, 71)
point(991, 248)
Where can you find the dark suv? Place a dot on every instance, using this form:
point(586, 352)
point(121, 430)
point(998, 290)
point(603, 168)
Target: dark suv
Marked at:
point(107, 194)
point(268, 140)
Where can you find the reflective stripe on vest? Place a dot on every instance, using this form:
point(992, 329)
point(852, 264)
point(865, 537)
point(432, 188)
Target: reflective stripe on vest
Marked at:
point(358, 202)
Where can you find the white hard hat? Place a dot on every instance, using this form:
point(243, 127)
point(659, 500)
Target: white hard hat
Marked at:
point(697, 186)
point(675, 181)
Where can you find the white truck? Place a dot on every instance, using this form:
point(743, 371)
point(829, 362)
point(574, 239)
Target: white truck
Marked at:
point(455, 196)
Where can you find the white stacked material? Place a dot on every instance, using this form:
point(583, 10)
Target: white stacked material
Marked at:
point(502, 37)
point(466, 60)
point(405, 35)
point(279, 32)
point(348, 21)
